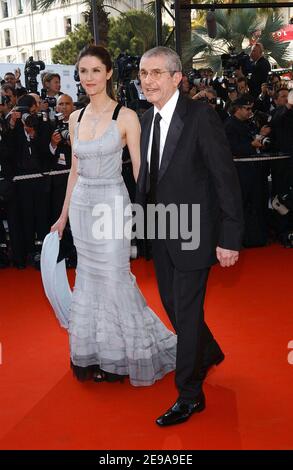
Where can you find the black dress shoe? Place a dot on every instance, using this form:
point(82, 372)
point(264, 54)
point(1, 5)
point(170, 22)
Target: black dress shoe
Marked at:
point(19, 265)
point(181, 412)
point(214, 360)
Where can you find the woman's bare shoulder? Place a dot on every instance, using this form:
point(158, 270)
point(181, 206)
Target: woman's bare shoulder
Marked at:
point(74, 116)
point(128, 115)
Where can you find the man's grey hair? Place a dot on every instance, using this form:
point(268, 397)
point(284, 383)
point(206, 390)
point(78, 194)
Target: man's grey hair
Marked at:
point(173, 59)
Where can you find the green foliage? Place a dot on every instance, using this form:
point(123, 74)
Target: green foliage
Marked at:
point(67, 51)
point(133, 32)
point(237, 28)
point(45, 4)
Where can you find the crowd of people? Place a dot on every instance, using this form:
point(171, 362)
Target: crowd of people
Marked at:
point(257, 116)
point(35, 162)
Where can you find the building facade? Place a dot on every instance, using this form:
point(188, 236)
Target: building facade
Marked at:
point(26, 31)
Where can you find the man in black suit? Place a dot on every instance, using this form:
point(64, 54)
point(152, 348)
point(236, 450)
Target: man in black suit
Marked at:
point(28, 144)
point(260, 70)
point(185, 160)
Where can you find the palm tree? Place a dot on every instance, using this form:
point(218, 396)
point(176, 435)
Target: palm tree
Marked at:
point(236, 28)
point(133, 32)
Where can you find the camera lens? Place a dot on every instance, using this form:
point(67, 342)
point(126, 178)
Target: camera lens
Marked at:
point(65, 134)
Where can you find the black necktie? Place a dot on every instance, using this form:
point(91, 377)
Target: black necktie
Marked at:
point(155, 159)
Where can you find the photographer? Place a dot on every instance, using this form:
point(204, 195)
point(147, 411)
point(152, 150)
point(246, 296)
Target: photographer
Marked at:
point(232, 95)
point(8, 202)
point(185, 86)
point(5, 107)
point(5, 186)
point(282, 170)
point(265, 101)
point(210, 96)
point(260, 70)
point(13, 79)
point(60, 149)
point(50, 93)
point(38, 103)
point(234, 66)
point(274, 79)
point(9, 92)
point(189, 85)
point(28, 149)
point(245, 140)
point(242, 86)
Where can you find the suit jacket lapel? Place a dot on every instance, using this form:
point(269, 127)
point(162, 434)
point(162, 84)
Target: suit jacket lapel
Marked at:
point(173, 136)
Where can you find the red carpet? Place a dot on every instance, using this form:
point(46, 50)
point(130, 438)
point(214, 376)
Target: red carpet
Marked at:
point(249, 396)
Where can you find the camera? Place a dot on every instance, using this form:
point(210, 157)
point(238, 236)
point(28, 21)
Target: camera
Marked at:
point(62, 127)
point(51, 100)
point(31, 69)
point(274, 78)
point(80, 90)
point(193, 77)
point(283, 204)
point(287, 199)
point(43, 116)
point(203, 98)
point(264, 140)
point(231, 88)
point(129, 91)
point(232, 62)
point(270, 82)
point(126, 65)
point(217, 102)
point(29, 120)
point(4, 100)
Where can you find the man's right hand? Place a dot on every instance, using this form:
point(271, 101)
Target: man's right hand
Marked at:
point(264, 89)
point(44, 106)
point(256, 144)
point(55, 139)
point(17, 74)
point(14, 115)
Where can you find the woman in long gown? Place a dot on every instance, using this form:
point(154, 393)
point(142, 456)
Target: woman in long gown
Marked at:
point(112, 332)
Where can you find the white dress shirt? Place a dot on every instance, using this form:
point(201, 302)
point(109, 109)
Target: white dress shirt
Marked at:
point(166, 113)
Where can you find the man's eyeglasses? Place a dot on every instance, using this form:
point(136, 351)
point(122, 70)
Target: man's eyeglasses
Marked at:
point(153, 74)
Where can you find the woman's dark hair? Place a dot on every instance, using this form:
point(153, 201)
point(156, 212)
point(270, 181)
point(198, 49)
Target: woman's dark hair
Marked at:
point(6, 87)
point(100, 53)
point(26, 100)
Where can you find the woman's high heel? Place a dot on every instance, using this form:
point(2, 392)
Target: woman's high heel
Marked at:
point(103, 376)
point(114, 377)
point(99, 376)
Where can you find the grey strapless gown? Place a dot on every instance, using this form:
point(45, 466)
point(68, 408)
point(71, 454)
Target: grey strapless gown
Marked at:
point(110, 324)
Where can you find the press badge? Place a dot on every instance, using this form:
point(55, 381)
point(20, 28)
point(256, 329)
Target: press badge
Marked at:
point(61, 160)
